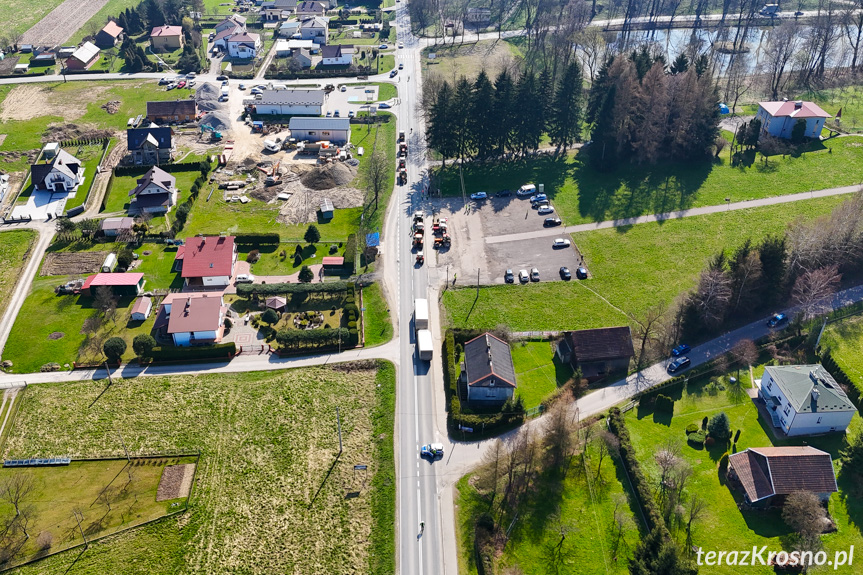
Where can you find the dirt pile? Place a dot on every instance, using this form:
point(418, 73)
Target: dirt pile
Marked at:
point(329, 176)
point(218, 120)
point(111, 107)
point(207, 97)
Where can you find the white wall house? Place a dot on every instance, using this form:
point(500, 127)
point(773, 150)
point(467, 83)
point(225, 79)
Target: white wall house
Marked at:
point(337, 55)
point(244, 46)
point(288, 102)
point(315, 29)
point(804, 400)
point(156, 192)
point(193, 319)
point(63, 173)
point(207, 261)
point(779, 118)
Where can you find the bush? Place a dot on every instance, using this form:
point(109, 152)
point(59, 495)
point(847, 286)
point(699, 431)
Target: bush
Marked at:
point(262, 239)
point(312, 235)
point(114, 348)
point(736, 436)
point(664, 403)
point(697, 438)
point(124, 258)
point(719, 426)
point(143, 345)
point(334, 248)
point(246, 290)
point(704, 423)
point(691, 428)
point(253, 256)
point(709, 441)
point(352, 324)
point(270, 316)
point(306, 274)
point(723, 461)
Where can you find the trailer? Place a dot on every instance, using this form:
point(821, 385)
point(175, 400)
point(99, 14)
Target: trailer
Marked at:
point(425, 345)
point(421, 314)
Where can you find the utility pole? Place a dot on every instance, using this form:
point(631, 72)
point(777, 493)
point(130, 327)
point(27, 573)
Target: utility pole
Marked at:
point(76, 513)
point(339, 423)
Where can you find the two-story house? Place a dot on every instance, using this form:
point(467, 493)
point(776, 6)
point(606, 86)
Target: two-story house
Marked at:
point(207, 261)
point(244, 46)
point(152, 145)
point(156, 192)
point(487, 371)
point(192, 319)
point(779, 118)
point(63, 173)
point(315, 29)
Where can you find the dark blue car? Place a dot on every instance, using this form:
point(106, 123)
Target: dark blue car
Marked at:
point(678, 364)
point(777, 320)
point(680, 350)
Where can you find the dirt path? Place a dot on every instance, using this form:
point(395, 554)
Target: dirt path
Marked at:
point(8, 397)
point(61, 22)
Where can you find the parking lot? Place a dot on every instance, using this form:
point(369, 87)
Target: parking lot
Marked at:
point(353, 98)
point(498, 216)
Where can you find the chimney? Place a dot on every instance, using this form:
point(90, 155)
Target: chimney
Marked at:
point(815, 393)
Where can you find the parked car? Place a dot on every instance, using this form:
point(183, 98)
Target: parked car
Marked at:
point(538, 198)
point(581, 273)
point(551, 222)
point(171, 86)
point(681, 349)
point(351, 114)
point(343, 89)
point(534, 275)
point(384, 106)
point(523, 276)
point(181, 84)
point(221, 77)
point(479, 196)
point(255, 92)
point(164, 81)
point(245, 278)
point(432, 450)
point(503, 194)
point(545, 210)
point(336, 114)
point(526, 190)
point(191, 75)
point(383, 47)
point(508, 277)
point(369, 91)
point(329, 114)
point(242, 86)
point(561, 243)
point(564, 273)
point(678, 364)
point(777, 320)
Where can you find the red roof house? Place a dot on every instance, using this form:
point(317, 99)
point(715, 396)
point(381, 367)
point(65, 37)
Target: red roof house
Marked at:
point(779, 118)
point(207, 261)
point(764, 473)
point(124, 284)
point(192, 319)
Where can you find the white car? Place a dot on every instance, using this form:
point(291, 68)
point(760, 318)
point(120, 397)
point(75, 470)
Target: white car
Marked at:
point(526, 190)
point(523, 276)
point(545, 210)
point(479, 196)
point(344, 89)
point(245, 279)
point(561, 243)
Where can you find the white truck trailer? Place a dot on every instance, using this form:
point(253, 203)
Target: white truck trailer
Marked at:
point(425, 346)
point(421, 314)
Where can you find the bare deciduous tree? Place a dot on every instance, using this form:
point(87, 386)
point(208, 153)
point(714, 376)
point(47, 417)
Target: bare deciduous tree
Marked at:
point(712, 296)
point(376, 176)
point(782, 43)
point(812, 290)
point(694, 510)
point(648, 334)
point(804, 513)
point(558, 438)
point(607, 443)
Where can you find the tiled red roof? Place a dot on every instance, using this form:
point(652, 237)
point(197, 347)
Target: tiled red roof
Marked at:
point(194, 312)
point(112, 29)
point(767, 471)
point(789, 108)
point(109, 279)
point(167, 31)
point(208, 257)
point(333, 261)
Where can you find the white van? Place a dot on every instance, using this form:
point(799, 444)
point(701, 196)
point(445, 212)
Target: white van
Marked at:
point(526, 190)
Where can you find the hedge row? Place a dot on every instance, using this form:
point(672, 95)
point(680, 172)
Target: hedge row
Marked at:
point(617, 425)
point(247, 290)
point(351, 253)
point(83, 142)
point(263, 239)
point(294, 339)
point(217, 351)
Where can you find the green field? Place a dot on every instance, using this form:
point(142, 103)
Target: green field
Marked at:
point(844, 339)
point(538, 373)
point(270, 497)
point(383, 136)
point(14, 251)
point(20, 15)
point(724, 526)
point(376, 317)
point(580, 194)
point(633, 268)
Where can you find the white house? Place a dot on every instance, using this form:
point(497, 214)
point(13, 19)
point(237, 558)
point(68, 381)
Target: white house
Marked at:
point(63, 173)
point(337, 55)
point(335, 130)
point(778, 118)
point(285, 48)
point(289, 29)
point(288, 102)
point(220, 42)
point(277, 9)
point(804, 400)
point(156, 192)
point(207, 261)
point(193, 319)
point(315, 29)
point(245, 45)
point(477, 15)
point(487, 371)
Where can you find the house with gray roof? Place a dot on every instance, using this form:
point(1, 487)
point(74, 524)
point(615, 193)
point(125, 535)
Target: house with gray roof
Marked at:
point(335, 130)
point(804, 400)
point(488, 371)
point(155, 193)
point(151, 145)
point(63, 173)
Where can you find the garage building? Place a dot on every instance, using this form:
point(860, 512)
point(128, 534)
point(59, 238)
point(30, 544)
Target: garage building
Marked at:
point(335, 130)
point(288, 102)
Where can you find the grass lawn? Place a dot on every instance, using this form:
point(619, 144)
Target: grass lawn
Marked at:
point(90, 157)
point(376, 316)
point(386, 62)
point(584, 505)
point(20, 15)
point(386, 91)
point(14, 251)
point(724, 526)
point(844, 339)
point(128, 500)
point(117, 198)
point(270, 496)
point(384, 136)
point(452, 61)
point(581, 194)
point(633, 268)
point(537, 373)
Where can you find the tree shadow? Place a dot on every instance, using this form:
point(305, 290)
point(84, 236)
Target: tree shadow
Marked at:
point(851, 493)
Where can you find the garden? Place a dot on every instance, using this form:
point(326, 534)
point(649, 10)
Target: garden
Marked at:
point(270, 464)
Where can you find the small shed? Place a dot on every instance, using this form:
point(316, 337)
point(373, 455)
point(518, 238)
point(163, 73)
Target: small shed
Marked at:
point(51, 149)
point(277, 303)
point(109, 263)
point(326, 209)
point(142, 309)
point(333, 265)
point(21, 68)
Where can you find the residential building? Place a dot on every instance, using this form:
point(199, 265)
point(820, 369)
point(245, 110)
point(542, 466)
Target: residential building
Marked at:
point(303, 57)
point(315, 29)
point(112, 227)
point(337, 55)
point(231, 23)
point(289, 48)
point(207, 261)
point(779, 118)
point(220, 42)
point(109, 35)
point(288, 102)
point(275, 10)
point(336, 130)
point(121, 284)
point(172, 111)
point(156, 192)
point(767, 474)
point(804, 400)
point(192, 319)
point(152, 145)
point(83, 58)
point(487, 371)
point(477, 15)
point(142, 309)
point(310, 9)
point(244, 46)
point(166, 38)
point(597, 352)
point(289, 29)
point(63, 173)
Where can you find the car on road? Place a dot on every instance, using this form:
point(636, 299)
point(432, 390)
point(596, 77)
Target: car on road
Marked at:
point(523, 276)
point(777, 320)
point(401, 45)
point(538, 198)
point(551, 222)
point(681, 349)
point(581, 273)
point(225, 82)
point(384, 106)
point(799, 13)
point(526, 190)
point(401, 66)
point(479, 196)
point(503, 194)
point(383, 47)
point(242, 86)
point(245, 278)
point(432, 450)
point(534, 275)
point(545, 210)
point(393, 73)
point(221, 77)
point(191, 75)
point(351, 114)
point(561, 243)
point(329, 114)
point(678, 364)
point(508, 277)
point(343, 89)
point(564, 273)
